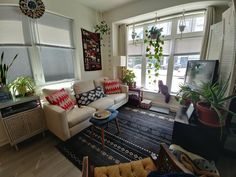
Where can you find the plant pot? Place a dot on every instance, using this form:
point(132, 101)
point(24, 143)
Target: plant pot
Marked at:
point(153, 35)
point(132, 85)
point(208, 116)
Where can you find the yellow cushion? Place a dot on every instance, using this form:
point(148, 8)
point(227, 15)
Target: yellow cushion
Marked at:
point(139, 168)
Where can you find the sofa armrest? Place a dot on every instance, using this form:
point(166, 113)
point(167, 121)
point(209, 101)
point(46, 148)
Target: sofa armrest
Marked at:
point(124, 88)
point(56, 119)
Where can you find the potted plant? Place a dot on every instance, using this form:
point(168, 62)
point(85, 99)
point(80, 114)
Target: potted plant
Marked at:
point(211, 108)
point(154, 49)
point(102, 28)
point(4, 70)
point(128, 77)
point(186, 96)
point(22, 86)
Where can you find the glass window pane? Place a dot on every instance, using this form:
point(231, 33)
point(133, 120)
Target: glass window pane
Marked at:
point(193, 24)
point(57, 63)
point(21, 66)
point(150, 85)
point(138, 31)
point(135, 64)
point(180, 66)
point(135, 49)
point(188, 45)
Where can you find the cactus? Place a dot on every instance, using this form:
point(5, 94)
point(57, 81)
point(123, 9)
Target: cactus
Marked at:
point(4, 69)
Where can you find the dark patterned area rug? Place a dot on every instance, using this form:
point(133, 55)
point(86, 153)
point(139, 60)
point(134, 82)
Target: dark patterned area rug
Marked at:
point(141, 133)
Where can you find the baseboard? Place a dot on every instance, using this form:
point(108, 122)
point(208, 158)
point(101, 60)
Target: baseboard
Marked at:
point(3, 143)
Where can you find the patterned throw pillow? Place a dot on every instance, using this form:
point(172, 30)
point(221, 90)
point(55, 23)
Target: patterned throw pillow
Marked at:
point(62, 99)
point(89, 97)
point(112, 86)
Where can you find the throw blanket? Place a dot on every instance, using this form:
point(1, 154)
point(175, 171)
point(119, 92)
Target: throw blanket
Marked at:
point(196, 164)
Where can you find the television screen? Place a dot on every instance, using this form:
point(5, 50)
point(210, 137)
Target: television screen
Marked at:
point(201, 71)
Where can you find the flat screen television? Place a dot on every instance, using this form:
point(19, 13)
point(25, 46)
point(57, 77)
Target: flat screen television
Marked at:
point(201, 71)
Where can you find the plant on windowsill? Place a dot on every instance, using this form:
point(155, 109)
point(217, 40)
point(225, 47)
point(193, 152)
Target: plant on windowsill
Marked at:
point(154, 49)
point(4, 70)
point(22, 86)
point(103, 29)
point(128, 77)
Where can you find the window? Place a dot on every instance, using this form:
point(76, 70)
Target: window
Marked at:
point(51, 58)
point(177, 51)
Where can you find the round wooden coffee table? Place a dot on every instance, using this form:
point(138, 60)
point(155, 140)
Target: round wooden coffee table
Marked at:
point(101, 118)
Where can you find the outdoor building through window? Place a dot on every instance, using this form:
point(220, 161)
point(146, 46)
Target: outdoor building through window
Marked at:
point(177, 51)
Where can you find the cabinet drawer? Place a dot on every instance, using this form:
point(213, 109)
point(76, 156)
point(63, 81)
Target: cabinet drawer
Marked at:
point(17, 128)
point(35, 120)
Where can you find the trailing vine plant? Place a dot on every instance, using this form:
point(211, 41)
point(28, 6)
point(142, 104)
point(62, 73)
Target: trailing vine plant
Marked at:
point(103, 29)
point(154, 49)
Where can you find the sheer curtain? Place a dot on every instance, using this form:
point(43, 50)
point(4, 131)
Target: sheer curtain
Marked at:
point(210, 20)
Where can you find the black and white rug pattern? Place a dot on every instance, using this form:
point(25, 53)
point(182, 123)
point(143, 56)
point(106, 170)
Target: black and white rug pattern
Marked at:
point(141, 133)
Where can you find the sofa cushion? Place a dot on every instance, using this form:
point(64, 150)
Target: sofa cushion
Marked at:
point(47, 92)
point(100, 81)
point(89, 97)
point(117, 97)
point(83, 86)
point(61, 98)
point(102, 103)
point(112, 86)
point(78, 115)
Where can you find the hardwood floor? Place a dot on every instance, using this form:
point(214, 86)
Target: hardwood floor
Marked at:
point(39, 158)
point(36, 158)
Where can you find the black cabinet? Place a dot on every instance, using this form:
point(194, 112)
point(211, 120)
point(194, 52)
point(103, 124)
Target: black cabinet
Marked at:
point(197, 138)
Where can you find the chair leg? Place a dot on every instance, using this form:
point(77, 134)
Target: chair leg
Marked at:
point(102, 136)
point(117, 125)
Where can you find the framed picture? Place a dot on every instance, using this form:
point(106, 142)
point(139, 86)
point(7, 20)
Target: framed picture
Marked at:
point(91, 50)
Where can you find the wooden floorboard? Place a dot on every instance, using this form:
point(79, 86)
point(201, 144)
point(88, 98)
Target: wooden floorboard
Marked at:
point(37, 157)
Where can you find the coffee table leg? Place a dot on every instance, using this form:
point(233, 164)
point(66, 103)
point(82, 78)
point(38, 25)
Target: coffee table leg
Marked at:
point(117, 125)
point(102, 135)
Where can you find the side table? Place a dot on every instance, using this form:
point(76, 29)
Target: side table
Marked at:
point(135, 95)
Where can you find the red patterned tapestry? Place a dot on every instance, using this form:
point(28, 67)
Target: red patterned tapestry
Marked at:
point(91, 50)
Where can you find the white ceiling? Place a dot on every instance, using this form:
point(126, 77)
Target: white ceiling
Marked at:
point(105, 5)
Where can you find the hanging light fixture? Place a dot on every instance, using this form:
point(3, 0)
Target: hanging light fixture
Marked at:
point(133, 34)
point(182, 23)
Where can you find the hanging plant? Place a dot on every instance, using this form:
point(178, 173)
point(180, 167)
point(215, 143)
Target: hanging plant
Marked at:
point(102, 28)
point(154, 49)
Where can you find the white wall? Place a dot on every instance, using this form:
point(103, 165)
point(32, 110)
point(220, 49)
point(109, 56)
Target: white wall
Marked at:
point(84, 17)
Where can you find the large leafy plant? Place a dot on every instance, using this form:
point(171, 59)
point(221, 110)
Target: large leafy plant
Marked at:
point(128, 76)
point(22, 86)
point(215, 99)
point(4, 69)
point(154, 49)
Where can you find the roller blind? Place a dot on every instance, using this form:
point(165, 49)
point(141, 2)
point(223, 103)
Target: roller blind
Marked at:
point(188, 45)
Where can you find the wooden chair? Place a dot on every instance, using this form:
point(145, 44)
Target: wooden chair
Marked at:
point(165, 163)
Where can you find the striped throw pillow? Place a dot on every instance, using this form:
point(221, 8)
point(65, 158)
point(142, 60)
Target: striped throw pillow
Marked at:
point(112, 86)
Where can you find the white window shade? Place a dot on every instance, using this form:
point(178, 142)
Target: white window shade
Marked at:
point(11, 29)
point(54, 30)
point(188, 45)
point(135, 49)
point(166, 48)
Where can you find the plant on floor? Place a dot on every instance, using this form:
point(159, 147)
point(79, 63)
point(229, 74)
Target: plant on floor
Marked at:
point(22, 86)
point(102, 28)
point(186, 96)
point(4, 69)
point(128, 77)
point(154, 49)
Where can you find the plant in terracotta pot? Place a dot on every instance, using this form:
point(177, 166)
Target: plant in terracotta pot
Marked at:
point(154, 49)
point(128, 77)
point(212, 107)
point(22, 86)
point(186, 96)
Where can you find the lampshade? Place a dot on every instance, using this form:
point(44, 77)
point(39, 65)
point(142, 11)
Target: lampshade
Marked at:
point(119, 60)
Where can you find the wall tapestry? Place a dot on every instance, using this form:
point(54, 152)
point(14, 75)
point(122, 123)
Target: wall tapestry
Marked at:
point(91, 50)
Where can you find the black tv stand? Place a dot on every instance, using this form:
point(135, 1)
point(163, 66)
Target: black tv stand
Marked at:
point(196, 137)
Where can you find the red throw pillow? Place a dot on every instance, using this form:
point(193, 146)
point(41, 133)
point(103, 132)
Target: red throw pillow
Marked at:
point(61, 98)
point(112, 86)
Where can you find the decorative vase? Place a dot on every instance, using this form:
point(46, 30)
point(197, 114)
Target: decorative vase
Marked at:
point(208, 116)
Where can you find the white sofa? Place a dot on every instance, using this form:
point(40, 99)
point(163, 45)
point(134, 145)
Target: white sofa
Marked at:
point(65, 124)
